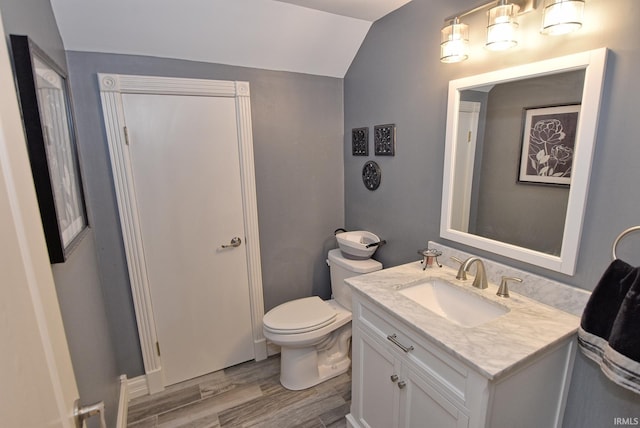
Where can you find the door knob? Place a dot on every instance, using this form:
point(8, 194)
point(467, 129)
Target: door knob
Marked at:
point(394, 378)
point(235, 242)
point(402, 384)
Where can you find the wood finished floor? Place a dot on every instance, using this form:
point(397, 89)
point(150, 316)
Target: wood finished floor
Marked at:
point(246, 395)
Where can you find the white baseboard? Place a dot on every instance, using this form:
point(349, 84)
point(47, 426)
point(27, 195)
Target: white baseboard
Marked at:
point(260, 349)
point(123, 403)
point(351, 422)
point(155, 381)
point(137, 387)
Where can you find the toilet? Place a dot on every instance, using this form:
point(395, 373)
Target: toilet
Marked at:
point(313, 334)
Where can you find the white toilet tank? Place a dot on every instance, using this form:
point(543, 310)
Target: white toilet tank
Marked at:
point(342, 268)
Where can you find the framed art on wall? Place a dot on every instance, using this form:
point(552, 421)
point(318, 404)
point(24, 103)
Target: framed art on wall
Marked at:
point(51, 143)
point(360, 141)
point(385, 140)
point(548, 144)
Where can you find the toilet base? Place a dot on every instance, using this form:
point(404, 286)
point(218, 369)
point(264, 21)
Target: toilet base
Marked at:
point(302, 368)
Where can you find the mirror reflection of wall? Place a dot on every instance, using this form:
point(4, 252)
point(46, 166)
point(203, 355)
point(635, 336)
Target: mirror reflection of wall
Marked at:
point(500, 207)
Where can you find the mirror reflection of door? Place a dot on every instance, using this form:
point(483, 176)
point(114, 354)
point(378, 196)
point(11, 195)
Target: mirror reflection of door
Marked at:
point(465, 156)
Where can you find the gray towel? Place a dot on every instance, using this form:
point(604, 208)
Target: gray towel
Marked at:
point(621, 360)
point(609, 331)
point(602, 309)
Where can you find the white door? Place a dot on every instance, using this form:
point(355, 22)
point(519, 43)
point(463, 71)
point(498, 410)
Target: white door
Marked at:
point(38, 386)
point(186, 174)
point(465, 155)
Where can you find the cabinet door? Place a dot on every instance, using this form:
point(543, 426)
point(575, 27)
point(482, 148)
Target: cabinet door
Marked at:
point(375, 394)
point(422, 406)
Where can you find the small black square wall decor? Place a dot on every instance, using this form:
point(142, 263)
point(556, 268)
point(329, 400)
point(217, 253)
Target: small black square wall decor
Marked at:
point(384, 140)
point(360, 141)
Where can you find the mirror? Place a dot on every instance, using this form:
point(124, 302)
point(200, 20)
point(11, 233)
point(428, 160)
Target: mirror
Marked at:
point(519, 144)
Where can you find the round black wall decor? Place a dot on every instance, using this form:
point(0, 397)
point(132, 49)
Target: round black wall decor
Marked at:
point(371, 175)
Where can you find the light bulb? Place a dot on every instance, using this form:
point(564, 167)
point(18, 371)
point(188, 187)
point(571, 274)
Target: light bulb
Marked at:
point(502, 27)
point(454, 42)
point(562, 16)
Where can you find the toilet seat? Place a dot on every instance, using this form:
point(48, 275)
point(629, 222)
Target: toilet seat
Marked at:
point(299, 316)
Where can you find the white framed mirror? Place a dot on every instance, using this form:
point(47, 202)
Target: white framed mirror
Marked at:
point(519, 146)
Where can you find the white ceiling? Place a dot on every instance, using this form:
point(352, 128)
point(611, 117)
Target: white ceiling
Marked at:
point(368, 10)
point(307, 36)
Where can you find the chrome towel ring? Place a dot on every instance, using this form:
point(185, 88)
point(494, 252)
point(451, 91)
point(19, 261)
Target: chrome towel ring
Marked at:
point(622, 235)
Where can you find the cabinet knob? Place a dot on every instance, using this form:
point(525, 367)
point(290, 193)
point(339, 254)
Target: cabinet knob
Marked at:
point(402, 384)
point(394, 378)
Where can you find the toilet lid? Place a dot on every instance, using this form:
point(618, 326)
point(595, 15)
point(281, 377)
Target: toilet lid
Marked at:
point(299, 316)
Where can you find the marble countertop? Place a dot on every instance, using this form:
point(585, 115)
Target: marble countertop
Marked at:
point(493, 348)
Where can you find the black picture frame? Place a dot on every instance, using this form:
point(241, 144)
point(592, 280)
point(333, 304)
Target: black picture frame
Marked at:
point(384, 140)
point(548, 144)
point(360, 141)
point(51, 143)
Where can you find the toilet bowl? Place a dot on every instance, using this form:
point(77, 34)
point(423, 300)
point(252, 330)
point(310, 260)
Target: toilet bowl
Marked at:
point(314, 335)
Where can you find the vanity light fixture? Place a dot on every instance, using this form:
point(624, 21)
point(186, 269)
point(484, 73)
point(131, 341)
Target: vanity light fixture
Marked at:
point(454, 42)
point(502, 26)
point(562, 16)
point(559, 17)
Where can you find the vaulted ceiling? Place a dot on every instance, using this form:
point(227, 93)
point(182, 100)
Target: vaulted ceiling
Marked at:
point(307, 36)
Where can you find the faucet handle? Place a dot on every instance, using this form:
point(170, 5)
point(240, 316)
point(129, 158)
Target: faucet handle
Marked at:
point(462, 274)
point(503, 290)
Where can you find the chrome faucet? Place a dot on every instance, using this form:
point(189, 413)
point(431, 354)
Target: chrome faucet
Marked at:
point(480, 280)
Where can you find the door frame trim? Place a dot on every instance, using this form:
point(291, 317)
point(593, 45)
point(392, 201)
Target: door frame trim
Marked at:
point(112, 86)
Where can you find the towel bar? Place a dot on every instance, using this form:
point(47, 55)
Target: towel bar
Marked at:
point(622, 235)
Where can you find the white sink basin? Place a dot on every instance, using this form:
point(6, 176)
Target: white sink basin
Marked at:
point(450, 302)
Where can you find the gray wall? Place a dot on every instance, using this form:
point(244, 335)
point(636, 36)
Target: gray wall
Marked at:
point(34, 18)
point(527, 215)
point(77, 280)
point(397, 77)
point(297, 132)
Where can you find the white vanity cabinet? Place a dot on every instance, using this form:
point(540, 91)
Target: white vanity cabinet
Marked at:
point(391, 394)
point(402, 378)
point(421, 401)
